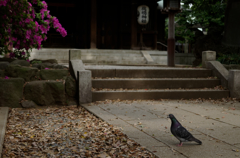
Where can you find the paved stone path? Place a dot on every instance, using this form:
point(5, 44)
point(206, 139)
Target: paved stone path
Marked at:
point(215, 123)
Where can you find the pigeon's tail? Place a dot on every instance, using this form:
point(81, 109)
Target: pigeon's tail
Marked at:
point(196, 140)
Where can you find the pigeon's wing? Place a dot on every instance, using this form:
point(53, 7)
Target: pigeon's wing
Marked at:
point(181, 132)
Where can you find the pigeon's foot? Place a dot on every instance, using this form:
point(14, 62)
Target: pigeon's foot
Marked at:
point(180, 144)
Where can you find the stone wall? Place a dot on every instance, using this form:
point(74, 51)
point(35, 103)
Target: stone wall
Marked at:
point(35, 84)
point(232, 66)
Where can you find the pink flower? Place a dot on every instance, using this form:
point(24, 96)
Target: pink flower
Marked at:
point(44, 4)
point(12, 55)
point(6, 77)
point(46, 68)
point(23, 53)
point(28, 34)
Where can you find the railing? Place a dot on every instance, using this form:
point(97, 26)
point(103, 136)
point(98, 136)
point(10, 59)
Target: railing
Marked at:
point(165, 45)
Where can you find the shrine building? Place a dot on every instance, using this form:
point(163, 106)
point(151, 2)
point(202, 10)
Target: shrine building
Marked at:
point(107, 24)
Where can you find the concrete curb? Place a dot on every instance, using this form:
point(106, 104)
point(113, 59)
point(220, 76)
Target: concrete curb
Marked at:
point(3, 123)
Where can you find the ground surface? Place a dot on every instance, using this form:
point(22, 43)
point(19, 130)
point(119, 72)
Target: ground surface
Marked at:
point(215, 123)
point(75, 132)
point(65, 132)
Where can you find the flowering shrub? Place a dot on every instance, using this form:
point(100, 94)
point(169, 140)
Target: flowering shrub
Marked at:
point(24, 28)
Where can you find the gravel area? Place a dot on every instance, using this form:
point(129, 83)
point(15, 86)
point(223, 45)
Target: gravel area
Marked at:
point(65, 132)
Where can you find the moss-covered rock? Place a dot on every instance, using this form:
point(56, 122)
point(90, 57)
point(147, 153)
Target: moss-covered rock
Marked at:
point(53, 74)
point(20, 62)
point(3, 65)
point(70, 86)
point(28, 104)
point(41, 66)
point(27, 73)
point(52, 61)
point(11, 92)
point(2, 73)
point(45, 92)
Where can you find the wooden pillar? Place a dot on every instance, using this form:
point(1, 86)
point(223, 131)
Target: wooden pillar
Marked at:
point(93, 44)
point(171, 39)
point(133, 26)
point(155, 29)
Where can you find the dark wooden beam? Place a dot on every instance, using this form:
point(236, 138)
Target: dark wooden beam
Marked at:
point(93, 44)
point(133, 25)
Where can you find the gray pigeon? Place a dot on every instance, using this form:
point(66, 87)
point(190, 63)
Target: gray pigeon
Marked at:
point(180, 132)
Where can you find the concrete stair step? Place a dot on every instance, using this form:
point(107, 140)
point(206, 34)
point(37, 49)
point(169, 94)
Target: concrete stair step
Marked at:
point(104, 51)
point(120, 62)
point(152, 73)
point(112, 54)
point(117, 58)
point(155, 83)
point(159, 94)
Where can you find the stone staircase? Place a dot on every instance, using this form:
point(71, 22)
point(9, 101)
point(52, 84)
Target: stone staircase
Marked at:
point(155, 83)
point(124, 57)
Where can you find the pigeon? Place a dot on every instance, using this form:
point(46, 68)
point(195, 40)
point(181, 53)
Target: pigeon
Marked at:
point(180, 132)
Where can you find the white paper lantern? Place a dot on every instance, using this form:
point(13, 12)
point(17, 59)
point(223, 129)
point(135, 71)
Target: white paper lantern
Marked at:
point(143, 14)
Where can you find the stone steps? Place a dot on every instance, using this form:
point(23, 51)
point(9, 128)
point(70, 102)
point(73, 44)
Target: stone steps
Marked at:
point(155, 83)
point(159, 94)
point(152, 73)
point(164, 83)
point(112, 58)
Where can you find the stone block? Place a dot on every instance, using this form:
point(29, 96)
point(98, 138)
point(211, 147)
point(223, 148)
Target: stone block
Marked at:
point(45, 92)
point(53, 74)
point(28, 104)
point(74, 54)
point(85, 86)
point(3, 65)
point(27, 73)
point(20, 62)
point(234, 83)
point(208, 56)
point(219, 71)
point(11, 92)
point(2, 73)
point(74, 66)
point(71, 86)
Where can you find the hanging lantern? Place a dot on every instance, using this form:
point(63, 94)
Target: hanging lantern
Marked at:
point(143, 14)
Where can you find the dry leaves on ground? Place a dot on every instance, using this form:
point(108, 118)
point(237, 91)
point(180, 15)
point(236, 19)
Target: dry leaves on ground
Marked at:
point(65, 132)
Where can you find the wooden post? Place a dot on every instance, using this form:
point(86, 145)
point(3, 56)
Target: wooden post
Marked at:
point(171, 40)
point(133, 26)
point(155, 29)
point(93, 44)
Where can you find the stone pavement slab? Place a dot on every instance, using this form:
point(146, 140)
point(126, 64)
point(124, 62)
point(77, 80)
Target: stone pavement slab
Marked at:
point(3, 123)
point(216, 124)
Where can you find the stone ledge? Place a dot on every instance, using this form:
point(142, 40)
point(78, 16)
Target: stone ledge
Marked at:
point(147, 57)
point(219, 71)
